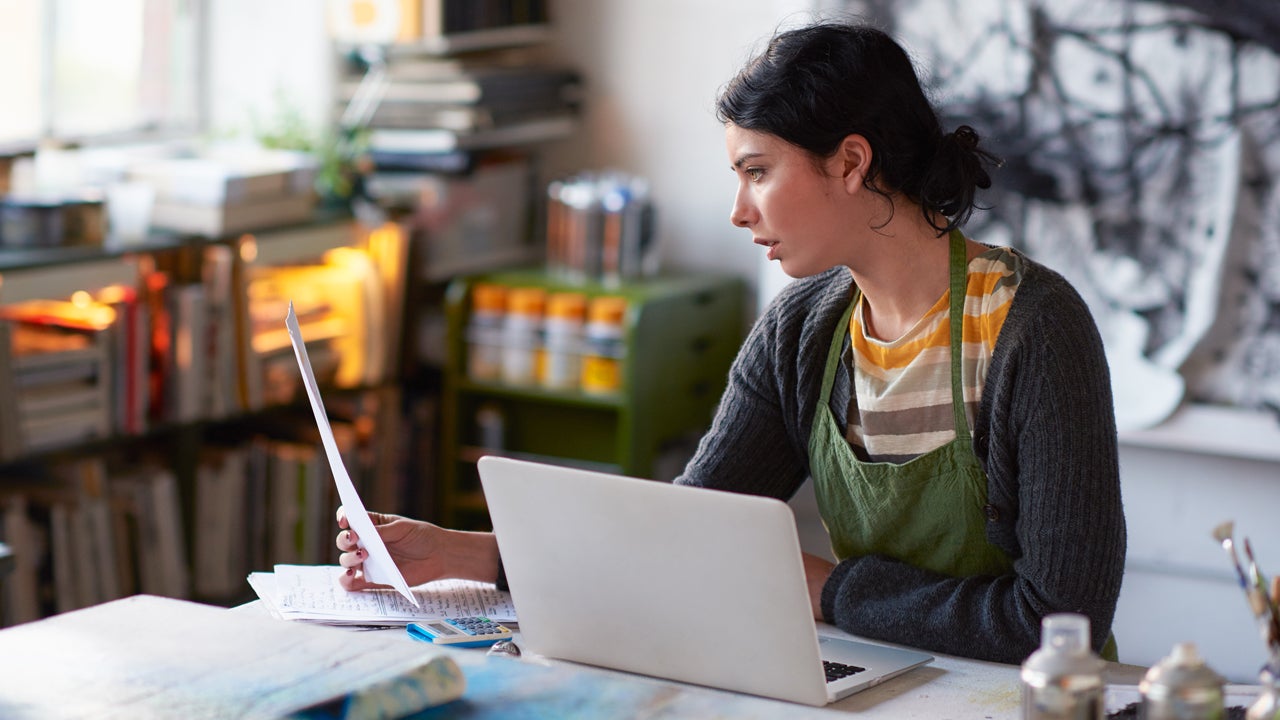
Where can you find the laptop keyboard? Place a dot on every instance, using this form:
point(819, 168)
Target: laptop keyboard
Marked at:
point(839, 671)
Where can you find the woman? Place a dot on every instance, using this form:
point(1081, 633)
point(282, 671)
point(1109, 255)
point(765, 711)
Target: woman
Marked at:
point(951, 401)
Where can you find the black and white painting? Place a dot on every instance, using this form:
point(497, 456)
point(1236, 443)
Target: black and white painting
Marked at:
point(1141, 143)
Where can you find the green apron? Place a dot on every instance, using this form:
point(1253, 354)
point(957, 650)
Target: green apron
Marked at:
point(930, 511)
point(927, 512)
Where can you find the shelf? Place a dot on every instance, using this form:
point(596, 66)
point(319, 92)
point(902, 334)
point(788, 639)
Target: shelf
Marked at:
point(680, 335)
point(471, 454)
point(1213, 430)
point(536, 394)
point(450, 268)
point(477, 40)
point(58, 281)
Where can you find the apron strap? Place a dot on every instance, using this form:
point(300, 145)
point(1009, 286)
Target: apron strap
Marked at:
point(959, 281)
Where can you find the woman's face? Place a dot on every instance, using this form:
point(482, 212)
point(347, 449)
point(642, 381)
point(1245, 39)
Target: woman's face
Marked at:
point(792, 208)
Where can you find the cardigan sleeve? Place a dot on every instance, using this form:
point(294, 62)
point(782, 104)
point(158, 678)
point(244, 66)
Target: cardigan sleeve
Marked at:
point(751, 447)
point(1046, 435)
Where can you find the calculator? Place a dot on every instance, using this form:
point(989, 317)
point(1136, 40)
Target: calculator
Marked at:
point(460, 632)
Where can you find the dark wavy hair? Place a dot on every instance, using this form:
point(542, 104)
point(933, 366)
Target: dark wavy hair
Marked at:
point(814, 86)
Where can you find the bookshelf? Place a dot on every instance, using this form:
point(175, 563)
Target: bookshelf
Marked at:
point(207, 466)
point(217, 469)
point(679, 337)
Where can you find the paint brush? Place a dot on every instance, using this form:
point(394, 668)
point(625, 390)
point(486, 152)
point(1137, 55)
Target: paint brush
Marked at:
point(1259, 589)
point(1258, 602)
point(1223, 534)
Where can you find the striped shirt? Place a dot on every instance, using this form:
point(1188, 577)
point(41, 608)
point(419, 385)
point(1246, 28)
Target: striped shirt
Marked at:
point(900, 407)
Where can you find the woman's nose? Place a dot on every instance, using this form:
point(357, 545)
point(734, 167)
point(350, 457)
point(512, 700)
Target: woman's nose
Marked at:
point(741, 214)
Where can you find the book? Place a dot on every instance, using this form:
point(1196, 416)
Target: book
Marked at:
point(493, 86)
point(187, 379)
point(364, 22)
point(21, 586)
point(214, 221)
point(458, 162)
point(440, 140)
point(228, 177)
point(221, 533)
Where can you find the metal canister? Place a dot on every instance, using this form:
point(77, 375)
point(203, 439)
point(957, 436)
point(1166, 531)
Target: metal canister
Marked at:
point(1181, 687)
point(1063, 679)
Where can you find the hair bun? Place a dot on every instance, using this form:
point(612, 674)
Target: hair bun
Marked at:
point(964, 136)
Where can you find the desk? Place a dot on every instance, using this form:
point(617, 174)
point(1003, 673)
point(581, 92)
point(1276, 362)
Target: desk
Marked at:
point(151, 657)
point(949, 687)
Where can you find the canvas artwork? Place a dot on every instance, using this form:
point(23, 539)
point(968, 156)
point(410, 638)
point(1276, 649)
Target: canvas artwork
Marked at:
point(1141, 143)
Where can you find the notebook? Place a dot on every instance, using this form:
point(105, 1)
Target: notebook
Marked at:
point(694, 585)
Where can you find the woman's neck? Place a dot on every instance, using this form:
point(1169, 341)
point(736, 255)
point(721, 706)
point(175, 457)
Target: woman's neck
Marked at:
point(902, 269)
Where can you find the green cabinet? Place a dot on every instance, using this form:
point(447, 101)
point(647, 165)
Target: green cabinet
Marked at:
point(680, 335)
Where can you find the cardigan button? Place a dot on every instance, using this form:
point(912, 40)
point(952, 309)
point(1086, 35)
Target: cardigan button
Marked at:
point(991, 511)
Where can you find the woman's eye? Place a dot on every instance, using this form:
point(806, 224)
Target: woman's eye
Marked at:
point(755, 173)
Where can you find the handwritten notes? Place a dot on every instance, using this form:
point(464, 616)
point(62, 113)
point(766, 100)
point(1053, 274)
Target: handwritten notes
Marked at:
point(312, 593)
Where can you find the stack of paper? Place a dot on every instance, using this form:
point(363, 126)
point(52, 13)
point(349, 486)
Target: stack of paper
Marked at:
point(310, 593)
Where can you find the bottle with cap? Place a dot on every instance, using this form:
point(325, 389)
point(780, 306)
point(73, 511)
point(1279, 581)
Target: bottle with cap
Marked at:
point(603, 345)
point(563, 340)
point(484, 331)
point(1063, 679)
point(1181, 687)
point(522, 335)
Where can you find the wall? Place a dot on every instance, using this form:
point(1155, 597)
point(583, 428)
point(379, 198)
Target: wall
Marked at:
point(653, 70)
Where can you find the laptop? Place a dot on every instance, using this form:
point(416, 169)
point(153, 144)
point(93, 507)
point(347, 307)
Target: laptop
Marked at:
point(689, 584)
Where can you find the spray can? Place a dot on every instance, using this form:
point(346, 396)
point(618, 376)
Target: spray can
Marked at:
point(522, 335)
point(1181, 687)
point(563, 340)
point(484, 331)
point(604, 347)
point(1063, 679)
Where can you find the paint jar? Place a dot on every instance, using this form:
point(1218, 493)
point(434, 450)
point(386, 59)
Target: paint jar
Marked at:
point(522, 335)
point(485, 331)
point(603, 345)
point(566, 314)
point(1063, 679)
point(1181, 687)
point(1267, 706)
point(491, 427)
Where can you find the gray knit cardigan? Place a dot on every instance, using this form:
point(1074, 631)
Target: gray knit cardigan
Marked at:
point(1045, 433)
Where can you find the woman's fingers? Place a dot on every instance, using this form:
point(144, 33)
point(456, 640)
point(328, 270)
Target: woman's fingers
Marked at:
point(347, 540)
point(352, 559)
point(353, 579)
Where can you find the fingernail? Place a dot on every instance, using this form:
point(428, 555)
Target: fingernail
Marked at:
point(361, 553)
point(351, 571)
point(348, 536)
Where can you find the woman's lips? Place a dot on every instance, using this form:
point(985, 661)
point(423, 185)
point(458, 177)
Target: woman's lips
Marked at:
point(772, 245)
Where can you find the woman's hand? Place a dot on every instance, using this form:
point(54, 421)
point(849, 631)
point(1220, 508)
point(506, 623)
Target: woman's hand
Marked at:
point(422, 551)
point(816, 572)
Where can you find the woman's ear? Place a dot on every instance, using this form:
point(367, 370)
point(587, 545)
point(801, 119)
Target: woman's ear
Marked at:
point(854, 155)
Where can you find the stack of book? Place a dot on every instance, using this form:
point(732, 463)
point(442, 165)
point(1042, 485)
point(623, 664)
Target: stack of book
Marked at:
point(230, 191)
point(55, 362)
point(437, 115)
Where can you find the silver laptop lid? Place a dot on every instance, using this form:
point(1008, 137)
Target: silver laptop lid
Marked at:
point(694, 585)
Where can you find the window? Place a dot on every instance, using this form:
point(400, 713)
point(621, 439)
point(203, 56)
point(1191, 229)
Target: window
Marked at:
point(80, 70)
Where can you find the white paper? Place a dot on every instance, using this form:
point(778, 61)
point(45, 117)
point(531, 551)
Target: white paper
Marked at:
point(311, 593)
point(378, 566)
